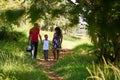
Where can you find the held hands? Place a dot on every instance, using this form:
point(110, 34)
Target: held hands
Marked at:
point(41, 43)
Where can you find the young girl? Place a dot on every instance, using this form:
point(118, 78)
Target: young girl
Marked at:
point(56, 42)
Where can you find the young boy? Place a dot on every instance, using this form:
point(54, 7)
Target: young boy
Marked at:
point(46, 43)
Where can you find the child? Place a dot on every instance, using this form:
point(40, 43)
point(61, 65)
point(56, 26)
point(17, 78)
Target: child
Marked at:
point(57, 41)
point(46, 43)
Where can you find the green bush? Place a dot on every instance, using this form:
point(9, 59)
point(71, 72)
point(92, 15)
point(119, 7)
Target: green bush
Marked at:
point(11, 36)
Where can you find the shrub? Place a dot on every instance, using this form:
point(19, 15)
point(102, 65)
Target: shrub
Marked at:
point(11, 36)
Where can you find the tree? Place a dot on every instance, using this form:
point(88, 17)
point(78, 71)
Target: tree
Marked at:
point(104, 19)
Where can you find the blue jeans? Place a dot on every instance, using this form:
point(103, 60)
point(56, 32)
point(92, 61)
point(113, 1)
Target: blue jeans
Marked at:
point(45, 54)
point(34, 46)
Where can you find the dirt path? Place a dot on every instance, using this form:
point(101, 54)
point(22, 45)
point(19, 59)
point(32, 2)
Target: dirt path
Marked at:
point(47, 65)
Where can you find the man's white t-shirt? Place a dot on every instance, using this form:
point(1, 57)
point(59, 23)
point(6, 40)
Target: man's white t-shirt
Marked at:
point(46, 44)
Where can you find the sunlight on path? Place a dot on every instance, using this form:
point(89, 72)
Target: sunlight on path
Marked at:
point(72, 44)
point(47, 65)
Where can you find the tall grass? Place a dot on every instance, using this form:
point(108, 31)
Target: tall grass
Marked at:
point(106, 71)
point(15, 63)
point(80, 65)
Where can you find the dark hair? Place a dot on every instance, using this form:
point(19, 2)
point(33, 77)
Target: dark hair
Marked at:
point(45, 35)
point(36, 25)
point(58, 31)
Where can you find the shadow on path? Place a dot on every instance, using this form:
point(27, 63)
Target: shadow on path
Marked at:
point(47, 65)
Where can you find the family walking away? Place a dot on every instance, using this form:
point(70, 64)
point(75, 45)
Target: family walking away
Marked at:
point(34, 33)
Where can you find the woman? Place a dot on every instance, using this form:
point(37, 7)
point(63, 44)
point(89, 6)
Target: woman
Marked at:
point(34, 33)
point(57, 41)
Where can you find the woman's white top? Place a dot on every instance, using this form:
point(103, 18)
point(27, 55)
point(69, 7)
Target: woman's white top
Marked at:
point(46, 44)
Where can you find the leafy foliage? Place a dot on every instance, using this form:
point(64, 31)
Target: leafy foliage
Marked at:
point(14, 15)
point(11, 36)
point(104, 27)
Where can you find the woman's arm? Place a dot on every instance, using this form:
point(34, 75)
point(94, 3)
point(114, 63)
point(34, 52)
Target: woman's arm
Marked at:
point(61, 39)
point(53, 37)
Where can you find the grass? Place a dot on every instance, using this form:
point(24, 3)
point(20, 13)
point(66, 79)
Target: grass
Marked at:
point(15, 63)
point(80, 65)
point(74, 65)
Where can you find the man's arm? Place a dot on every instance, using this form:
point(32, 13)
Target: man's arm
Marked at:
point(53, 39)
point(40, 38)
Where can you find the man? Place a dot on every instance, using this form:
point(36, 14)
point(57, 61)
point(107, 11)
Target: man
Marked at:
point(34, 33)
